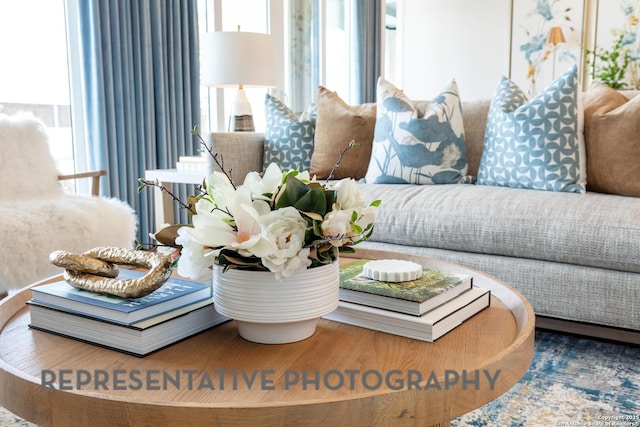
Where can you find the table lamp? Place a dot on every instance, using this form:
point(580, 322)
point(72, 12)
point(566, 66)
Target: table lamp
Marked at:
point(238, 59)
point(555, 37)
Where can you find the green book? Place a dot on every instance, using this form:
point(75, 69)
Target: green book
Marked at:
point(415, 297)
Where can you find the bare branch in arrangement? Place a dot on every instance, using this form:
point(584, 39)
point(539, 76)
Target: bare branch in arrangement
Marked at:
point(341, 154)
point(146, 183)
point(214, 156)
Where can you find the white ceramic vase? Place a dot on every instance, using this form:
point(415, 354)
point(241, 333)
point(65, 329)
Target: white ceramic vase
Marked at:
point(272, 311)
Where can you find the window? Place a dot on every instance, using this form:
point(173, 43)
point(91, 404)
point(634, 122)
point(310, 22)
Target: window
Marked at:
point(34, 75)
point(229, 15)
point(392, 48)
point(339, 52)
point(318, 40)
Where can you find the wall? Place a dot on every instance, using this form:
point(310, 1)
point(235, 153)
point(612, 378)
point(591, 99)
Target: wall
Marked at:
point(470, 40)
point(467, 40)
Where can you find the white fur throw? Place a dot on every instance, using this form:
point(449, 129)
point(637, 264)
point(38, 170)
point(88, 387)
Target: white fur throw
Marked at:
point(37, 218)
point(27, 168)
point(75, 223)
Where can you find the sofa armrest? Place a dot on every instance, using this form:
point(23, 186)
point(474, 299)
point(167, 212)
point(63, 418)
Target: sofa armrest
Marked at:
point(95, 181)
point(239, 152)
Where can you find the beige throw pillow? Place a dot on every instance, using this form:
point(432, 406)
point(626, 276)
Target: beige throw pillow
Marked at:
point(337, 124)
point(612, 134)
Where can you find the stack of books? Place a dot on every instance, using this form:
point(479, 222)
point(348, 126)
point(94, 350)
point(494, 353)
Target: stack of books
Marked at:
point(138, 326)
point(192, 164)
point(424, 309)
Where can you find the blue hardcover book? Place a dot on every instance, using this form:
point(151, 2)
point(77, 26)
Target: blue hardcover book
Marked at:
point(173, 294)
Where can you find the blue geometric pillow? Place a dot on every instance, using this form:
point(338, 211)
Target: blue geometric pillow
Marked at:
point(536, 144)
point(418, 142)
point(288, 141)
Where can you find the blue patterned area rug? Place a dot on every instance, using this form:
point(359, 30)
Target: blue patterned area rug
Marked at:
point(572, 381)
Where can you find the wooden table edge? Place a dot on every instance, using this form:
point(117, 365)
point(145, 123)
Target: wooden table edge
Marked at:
point(15, 383)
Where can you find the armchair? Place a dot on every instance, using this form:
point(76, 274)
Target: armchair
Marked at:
point(37, 216)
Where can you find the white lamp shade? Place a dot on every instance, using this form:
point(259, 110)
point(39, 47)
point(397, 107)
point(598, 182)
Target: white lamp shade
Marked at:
point(229, 59)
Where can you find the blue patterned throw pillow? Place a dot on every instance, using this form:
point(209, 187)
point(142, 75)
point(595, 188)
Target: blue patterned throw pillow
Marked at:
point(418, 142)
point(538, 143)
point(288, 140)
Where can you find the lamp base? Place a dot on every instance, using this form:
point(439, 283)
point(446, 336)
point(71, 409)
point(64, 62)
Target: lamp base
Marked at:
point(242, 123)
point(241, 119)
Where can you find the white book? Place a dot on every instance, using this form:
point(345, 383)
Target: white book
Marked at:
point(428, 327)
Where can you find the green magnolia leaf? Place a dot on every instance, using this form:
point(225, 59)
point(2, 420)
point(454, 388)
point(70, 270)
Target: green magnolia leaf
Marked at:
point(167, 235)
point(294, 190)
point(330, 196)
point(323, 255)
point(313, 216)
point(316, 228)
point(142, 185)
point(368, 231)
point(375, 203)
point(314, 185)
point(312, 201)
point(231, 259)
point(309, 235)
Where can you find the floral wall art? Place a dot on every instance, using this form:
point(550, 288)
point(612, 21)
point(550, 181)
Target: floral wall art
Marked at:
point(534, 62)
point(617, 22)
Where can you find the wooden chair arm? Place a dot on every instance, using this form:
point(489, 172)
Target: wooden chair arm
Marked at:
point(95, 184)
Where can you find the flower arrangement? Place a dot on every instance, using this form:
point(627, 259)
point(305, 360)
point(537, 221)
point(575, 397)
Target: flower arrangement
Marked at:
point(279, 221)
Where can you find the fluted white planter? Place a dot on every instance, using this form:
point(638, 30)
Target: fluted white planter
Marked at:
point(272, 311)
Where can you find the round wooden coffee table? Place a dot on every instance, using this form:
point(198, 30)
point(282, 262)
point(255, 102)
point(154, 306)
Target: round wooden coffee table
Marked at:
point(341, 376)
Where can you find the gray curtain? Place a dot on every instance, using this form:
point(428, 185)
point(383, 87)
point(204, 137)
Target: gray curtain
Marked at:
point(369, 48)
point(140, 86)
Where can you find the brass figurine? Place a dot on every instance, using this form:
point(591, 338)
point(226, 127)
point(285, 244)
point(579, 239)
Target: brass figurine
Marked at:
point(96, 270)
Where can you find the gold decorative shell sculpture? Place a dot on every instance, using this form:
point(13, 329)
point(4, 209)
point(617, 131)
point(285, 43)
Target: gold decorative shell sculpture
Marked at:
point(96, 270)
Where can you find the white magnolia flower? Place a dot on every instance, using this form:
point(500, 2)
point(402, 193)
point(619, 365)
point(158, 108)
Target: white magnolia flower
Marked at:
point(337, 224)
point(348, 195)
point(241, 232)
point(194, 258)
point(266, 184)
point(366, 216)
point(286, 229)
point(219, 189)
point(305, 177)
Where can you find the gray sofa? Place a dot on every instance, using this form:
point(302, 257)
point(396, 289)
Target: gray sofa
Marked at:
point(575, 257)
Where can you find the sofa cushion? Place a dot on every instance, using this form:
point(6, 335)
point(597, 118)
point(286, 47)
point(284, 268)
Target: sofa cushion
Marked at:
point(612, 134)
point(597, 230)
point(288, 139)
point(337, 124)
point(537, 143)
point(474, 117)
point(25, 176)
point(418, 142)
